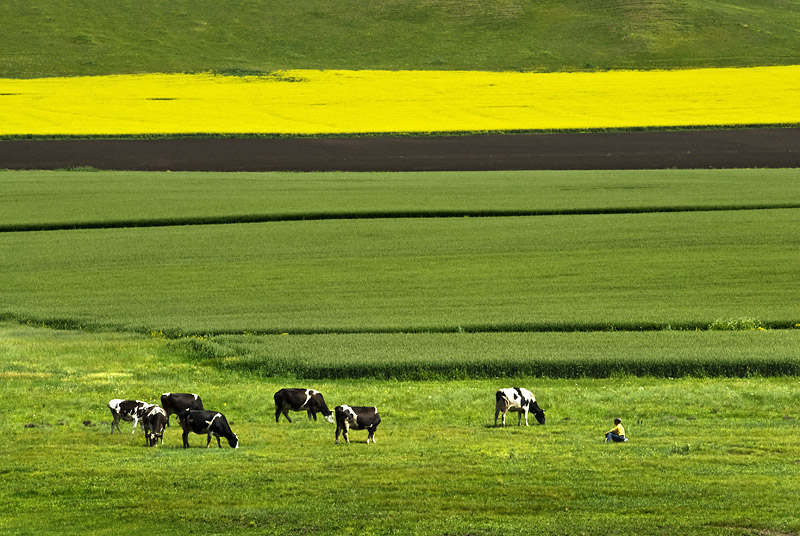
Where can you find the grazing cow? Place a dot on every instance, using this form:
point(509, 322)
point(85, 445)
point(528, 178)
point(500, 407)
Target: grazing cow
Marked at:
point(174, 403)
point(127, 410)
point(212, 423)
point(153, 424)
point(309, 400)
point(519, 400)
point(357, 418)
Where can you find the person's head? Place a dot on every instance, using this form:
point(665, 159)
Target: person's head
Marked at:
point(617, 420)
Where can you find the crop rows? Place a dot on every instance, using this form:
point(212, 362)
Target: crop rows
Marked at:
point(345, 282)
point(45, 199)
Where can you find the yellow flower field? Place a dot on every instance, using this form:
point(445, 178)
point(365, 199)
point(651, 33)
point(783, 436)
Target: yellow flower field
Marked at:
point(328, 102)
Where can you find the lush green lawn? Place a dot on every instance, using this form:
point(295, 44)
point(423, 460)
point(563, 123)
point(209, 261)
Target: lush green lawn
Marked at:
point(59, 198)
point(705, 457)
point(58, 37)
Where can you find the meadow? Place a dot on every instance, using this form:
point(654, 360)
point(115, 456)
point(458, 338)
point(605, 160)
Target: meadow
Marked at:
point(710, 456)
point(59, 38)
point(667, 298)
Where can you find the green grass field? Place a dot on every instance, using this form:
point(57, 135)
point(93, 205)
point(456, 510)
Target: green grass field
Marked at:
point(652, 266)
point(706, 456)
point(397, 293)
point(60, 38)
point(74, 199)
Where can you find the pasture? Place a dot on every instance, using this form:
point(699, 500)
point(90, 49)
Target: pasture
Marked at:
point(59, 38)
point(706, 456)
point(664, 297)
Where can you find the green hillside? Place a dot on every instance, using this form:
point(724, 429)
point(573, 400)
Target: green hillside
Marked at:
point(93, 37)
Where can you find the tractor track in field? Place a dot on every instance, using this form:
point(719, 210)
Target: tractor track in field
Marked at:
point(657, 149)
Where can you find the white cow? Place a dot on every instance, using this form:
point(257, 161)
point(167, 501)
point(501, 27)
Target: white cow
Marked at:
point(520, 400)
point(127, 410)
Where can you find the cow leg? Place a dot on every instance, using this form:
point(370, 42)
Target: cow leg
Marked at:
point(526, 416)
point(338, 431)
point(286, 414)
point(218, 443)
point(505, 410)
point(496, 413)
point(115, 422)
point(312, 414)
point(186, 439)
point(208, 443)
point(135, 422)
point(371, 435)
point(346, 433)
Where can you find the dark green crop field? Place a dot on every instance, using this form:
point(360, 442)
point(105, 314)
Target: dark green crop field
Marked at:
point(92, 37)
point(394, 275)
point(57, 199)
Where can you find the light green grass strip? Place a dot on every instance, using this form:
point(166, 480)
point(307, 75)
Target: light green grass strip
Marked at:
point(51, 199)
point(627, 271)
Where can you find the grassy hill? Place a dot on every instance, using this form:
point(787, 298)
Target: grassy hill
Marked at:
point(93, 37)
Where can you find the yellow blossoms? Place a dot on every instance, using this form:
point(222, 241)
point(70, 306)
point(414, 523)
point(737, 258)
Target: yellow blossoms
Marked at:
point(332, 102)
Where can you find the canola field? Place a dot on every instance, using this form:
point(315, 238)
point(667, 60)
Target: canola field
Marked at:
point(320, 102)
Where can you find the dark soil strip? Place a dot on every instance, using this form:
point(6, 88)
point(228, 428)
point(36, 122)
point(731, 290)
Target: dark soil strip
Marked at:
point(734, 148)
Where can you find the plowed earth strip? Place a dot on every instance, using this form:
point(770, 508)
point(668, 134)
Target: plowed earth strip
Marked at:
point(688, 149)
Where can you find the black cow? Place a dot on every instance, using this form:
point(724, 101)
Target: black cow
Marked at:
point(174, 403)
point(127, 410)
point(356, 418)
point(520, 400)
point(212, 423)
point(309, 400)
point(153, 424)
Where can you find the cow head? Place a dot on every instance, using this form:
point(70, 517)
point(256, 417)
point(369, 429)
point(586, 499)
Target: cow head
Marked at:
point(155, 437)
point(537, 412)
point(234, 441)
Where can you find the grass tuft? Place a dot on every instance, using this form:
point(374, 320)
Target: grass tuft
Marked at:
point(736, 324)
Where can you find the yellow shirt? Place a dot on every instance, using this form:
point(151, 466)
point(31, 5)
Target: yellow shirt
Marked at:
point(618, 429)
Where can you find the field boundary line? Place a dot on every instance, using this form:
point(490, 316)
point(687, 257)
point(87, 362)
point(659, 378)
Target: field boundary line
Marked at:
point(526, 327)
point(403, 214)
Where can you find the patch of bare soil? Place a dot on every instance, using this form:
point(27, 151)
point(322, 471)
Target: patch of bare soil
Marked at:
point(734, 148)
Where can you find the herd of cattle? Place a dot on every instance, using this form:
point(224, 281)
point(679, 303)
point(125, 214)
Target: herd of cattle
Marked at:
point(194, 418)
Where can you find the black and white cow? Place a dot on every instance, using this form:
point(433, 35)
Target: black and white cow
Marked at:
point(127, 410)
point(212, 423)
point(174, 403)
point(153, 424)
point(517, 399)
point(356, 418)
point(309, 400)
